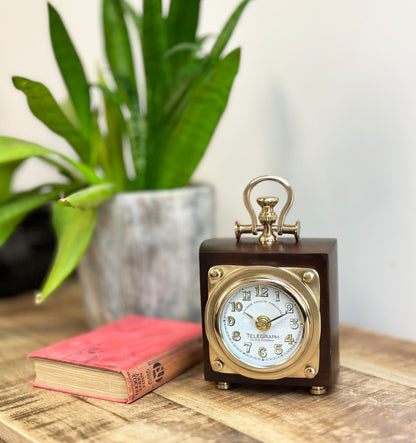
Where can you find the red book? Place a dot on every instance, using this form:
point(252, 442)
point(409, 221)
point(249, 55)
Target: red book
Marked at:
point(121, 361)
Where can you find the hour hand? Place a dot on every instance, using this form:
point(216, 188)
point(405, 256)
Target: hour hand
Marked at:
point(248, 315)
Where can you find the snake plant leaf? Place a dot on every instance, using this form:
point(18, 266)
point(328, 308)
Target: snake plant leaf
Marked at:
point(13, 212)
point(157, 69)
point(16, 209)
point(181, 47)
point(89, 198)
point(118, 49)
point(135, 16)
point(181, 26)
point(113, 147)
point(71, 69)
point(199, 69)
point(13, 149)
point(137, 129)
point(68, 109)
point(16, 150)
point(74, 229)
point(110, 151)
point(46, 109)
point(182, 21)
point(6, 174)
point(227, 31)
point(129, 91)
point(185, 145)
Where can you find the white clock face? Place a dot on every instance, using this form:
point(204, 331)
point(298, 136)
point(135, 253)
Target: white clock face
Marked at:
point(261, 325)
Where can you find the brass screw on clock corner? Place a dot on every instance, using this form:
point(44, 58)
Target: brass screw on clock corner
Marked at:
point(308, 277)
point(310, 372)
point(215, 273)
point(217, 365)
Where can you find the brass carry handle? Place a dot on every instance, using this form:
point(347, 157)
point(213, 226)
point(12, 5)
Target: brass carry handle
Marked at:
point(268, 217)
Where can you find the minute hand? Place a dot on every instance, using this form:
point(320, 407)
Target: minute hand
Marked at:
point(276, 318)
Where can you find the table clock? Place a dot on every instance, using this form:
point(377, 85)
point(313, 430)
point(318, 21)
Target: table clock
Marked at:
point(270, 303)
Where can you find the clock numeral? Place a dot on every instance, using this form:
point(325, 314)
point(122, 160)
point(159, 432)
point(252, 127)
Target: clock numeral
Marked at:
point(294, 323)
point(277, 295)
point(230, 321)
point(262, 292)
point(236, 336)
point(278, 349)
point(248, 345)
point(236, 306)
point(289, 339)
point(289, 308)
point(246, 295)
point(262, 352)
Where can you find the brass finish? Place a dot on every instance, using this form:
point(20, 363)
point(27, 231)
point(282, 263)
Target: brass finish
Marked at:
point(317, 390)
point(223, 385)
point(290, 280)
point(267, 216)
point(217, 365)
point(310, 372)
point(215, 273)
point(263, 323)
point(308, 277)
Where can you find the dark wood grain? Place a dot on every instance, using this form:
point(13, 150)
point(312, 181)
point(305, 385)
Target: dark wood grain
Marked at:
point(374, 399)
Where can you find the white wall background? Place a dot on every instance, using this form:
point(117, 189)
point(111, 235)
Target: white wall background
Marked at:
point(325, 97)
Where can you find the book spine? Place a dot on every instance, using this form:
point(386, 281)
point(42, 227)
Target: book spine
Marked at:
point(147, 376)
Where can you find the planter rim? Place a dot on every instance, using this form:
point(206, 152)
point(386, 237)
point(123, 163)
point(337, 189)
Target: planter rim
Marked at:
point(161, 192)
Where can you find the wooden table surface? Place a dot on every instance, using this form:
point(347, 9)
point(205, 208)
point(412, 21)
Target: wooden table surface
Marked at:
point(375, 399)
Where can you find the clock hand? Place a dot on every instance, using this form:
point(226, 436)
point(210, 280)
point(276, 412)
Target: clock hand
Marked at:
point(248, 315)
point(276, 318)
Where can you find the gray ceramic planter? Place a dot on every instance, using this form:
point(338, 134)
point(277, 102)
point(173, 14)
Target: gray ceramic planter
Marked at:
point(143, 257)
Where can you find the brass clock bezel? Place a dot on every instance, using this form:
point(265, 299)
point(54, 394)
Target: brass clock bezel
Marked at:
point(225, 280)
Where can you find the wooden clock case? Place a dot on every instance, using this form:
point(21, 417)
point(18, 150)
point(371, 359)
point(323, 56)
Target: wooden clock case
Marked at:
point(319, 254)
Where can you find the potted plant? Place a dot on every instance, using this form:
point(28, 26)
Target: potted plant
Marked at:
point(162, 134)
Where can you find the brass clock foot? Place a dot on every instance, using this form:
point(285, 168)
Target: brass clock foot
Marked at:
point(317, 390)
point(223, 385)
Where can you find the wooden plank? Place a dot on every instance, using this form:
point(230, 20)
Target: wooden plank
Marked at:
point(375, 398)
point(29, 414)
point(48, 416)
point(360, 407)
point(379, 355)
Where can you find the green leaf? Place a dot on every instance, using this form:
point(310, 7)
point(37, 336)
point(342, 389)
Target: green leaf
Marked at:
point(90, 197)
point(12, 213)
point(181, 26)
point(68, 109)
point(199, 69)
point(110, 154)
point(186, 143)
point(71, 69)
point(114, 142)
point(46, 109)
point(85, 170)
point(6, 174)
point(154, 46)
point(118, 49)
point(227, 31)
point(181, 47)
point(137, 131)
point(182, 21)
point(13, 149)
point(74, 229)
point(15, 210)
point(136, 17)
